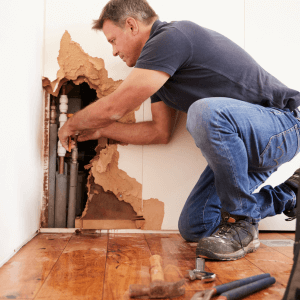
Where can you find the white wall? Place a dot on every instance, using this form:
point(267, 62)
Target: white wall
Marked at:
point(272, 37)
point(268, 29)
point(21, 115)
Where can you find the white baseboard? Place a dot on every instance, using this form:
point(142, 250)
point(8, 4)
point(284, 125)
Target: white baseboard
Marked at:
point(111, 231)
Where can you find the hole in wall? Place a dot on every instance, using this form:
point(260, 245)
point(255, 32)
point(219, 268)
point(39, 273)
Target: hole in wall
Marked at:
point(80, 96)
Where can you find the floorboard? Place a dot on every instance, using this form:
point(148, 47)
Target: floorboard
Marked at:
point(127, 263)
point(102, 266)
point(24, 274)
point(79, 272)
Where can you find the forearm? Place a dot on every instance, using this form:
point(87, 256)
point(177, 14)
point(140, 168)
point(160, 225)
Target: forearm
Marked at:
point(93, 116)
point(143, 133)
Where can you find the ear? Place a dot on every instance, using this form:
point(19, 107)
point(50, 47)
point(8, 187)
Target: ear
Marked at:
point(132, 25)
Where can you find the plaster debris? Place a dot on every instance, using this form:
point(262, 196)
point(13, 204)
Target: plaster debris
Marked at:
point(78, 66)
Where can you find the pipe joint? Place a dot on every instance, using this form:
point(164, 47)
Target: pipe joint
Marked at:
point(61, 151)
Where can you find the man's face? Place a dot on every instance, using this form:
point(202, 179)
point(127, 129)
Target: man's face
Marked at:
point(125, 44)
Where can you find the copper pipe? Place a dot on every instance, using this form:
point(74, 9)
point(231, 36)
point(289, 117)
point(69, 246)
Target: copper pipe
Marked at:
point(63, 91)
point(61, 165)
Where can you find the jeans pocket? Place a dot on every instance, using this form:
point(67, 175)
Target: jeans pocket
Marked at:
point(280, 149)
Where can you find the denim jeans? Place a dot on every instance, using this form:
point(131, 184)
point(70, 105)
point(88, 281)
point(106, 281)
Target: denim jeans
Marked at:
point(243, 144)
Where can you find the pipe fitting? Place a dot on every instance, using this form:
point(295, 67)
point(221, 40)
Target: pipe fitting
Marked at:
point(61, 151)
point(74, 155)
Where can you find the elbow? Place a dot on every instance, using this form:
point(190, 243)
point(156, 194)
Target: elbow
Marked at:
point(164, 138)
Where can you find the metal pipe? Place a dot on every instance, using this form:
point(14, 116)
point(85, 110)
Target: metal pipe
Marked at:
point(61, 199)
point(72, 195)
point(61, 165)
point(63, 107)
point(52, 164)
point(73, 187)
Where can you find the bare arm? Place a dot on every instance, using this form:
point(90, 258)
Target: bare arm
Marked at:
point(157, 131)
point(134, 90)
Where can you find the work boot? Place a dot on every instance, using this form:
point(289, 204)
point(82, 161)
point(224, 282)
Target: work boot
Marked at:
point(293, 183)
point(233, 239)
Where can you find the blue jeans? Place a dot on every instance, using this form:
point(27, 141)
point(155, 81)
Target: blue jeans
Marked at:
point(243, 144)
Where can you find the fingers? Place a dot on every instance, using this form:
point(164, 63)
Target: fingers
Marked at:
point(64, 142)
point(63, 135)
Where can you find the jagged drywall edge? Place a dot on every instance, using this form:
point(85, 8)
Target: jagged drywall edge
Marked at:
point(78, 66)
point(106, 173)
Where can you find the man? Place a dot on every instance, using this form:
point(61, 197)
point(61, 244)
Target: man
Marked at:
point(242, 118)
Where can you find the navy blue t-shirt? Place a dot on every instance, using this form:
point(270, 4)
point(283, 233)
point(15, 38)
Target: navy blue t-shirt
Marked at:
point(203, 63)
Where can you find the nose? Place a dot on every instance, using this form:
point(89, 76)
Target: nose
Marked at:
point(115, 51)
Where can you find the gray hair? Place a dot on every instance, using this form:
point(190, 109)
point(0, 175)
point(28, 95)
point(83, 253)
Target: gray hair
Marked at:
point(119, 10)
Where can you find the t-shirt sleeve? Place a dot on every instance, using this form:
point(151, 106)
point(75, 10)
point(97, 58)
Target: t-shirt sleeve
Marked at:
point(166, 51)
point(154, 98)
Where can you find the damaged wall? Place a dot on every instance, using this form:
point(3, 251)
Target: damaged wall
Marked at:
point(79, 67)
point(168, 172)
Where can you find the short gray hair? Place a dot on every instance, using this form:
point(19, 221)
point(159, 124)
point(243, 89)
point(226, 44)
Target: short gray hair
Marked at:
point(119, 10)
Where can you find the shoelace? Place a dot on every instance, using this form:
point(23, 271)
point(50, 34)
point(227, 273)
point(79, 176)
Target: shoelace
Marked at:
point(290, 218)
point(226, 227)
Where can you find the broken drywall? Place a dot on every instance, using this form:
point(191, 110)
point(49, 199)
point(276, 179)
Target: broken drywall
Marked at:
point(78, 66)
point(153, 213)
point(106, 173)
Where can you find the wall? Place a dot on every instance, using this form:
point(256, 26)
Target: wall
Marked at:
point(21, 115)
point(266, 29)
point(272, 37)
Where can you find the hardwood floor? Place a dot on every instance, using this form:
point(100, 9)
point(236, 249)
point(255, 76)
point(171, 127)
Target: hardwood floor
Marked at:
point(102, 266)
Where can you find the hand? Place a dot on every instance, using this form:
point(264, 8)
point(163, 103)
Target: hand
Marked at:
point(86, 135)
point(63, 135)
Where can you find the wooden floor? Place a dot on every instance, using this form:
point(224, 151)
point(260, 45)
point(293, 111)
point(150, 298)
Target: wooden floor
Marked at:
point(94, 266)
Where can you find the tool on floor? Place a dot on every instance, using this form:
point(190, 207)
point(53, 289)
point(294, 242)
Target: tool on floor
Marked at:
point(158, 287)
point(199, 272)
point(237, 289)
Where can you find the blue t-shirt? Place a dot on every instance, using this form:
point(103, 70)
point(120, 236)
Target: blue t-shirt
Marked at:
point(203, 63)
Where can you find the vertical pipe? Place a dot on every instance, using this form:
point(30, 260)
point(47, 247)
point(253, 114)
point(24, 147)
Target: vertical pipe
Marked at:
point(61, 165)
point(80, 190)
point(63, 107)
point(61, 175)
point(61, 199)
point(72, 195)
point(52, 164)
point(73, 187)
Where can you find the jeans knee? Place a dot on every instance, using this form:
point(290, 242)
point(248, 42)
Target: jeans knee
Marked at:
point(200, 119)
point(185, 231)
point(194, 234)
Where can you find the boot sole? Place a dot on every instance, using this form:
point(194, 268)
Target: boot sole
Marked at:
point(252, 247)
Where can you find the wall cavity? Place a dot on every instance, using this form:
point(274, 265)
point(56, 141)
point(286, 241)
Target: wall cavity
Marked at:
point(106, 183)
